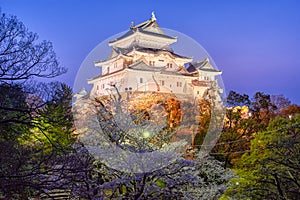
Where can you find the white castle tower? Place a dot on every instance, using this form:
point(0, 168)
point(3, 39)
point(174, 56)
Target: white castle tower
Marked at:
point(140, 60)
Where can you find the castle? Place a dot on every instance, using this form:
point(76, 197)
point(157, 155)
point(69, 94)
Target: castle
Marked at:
point(141, 60)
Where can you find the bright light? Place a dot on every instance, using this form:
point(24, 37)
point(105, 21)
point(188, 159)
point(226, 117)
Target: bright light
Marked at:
point(146, 134)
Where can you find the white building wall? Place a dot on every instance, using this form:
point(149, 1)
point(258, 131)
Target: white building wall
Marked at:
point(137, 80)
point(103, 85)
point(117, 65)
point(104, 69)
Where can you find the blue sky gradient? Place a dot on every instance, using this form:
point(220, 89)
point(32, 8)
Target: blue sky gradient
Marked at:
point(255, 43)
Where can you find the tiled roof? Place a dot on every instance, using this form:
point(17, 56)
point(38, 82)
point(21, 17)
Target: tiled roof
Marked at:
point(199, 83)
point(132, 31)
point(114, 54)
point(117, 51)
point(104, 75)
point(202, 65)
point(141, 65)
point(128, 33)
point(144, 24)
point(209, 70)
point(175, 73)
point(156, 34)
point(149, 27)
point(151, 50)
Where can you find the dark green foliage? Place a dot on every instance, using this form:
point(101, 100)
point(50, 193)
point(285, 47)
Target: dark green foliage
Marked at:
point(14, 111)
point(271, 169)
point(33, 138)
point(56, 118)
point(35, 118)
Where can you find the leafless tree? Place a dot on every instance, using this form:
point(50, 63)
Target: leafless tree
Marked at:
point(22, 56)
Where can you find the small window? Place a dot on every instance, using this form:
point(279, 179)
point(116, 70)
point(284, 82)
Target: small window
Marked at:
point(97, 87)
point(141, 80)
point(151, 63)
point(102, 86)
point(169, 65)
point(198, 92)
point(115, 65)
point(162, 82)
point(179, 84)
point(206, 78)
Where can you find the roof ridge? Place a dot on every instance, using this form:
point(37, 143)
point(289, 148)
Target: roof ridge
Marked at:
point(145, 23)
point(138, 48)
point(136, 62)
point(140, 24)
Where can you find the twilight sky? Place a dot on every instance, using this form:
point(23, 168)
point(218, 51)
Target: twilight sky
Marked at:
point(255, 43)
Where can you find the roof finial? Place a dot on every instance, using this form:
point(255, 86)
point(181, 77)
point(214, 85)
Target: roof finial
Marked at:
point(153, 18)
point(131, 25)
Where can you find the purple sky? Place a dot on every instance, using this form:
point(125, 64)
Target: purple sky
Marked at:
point(255, 43)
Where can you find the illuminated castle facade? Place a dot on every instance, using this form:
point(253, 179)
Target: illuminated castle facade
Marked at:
point(141, 60)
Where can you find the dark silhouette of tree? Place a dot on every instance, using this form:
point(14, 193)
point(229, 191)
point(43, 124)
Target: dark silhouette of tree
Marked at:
point(35, 117)
point(21, 56)
point(280, 102)
point(263, 108)
point(33, 148)
point(236, 99)
point(23, 61)
point(13, 109)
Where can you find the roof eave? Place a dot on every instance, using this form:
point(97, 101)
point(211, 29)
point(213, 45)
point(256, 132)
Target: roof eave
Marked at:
point(106, 62)
point(116, 41)
point(215, 73)
point(93, 80)
point(169, 40)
